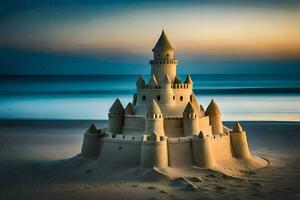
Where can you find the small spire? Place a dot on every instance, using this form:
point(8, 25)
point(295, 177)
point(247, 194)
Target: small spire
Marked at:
point(153, 80)
point(154, 108)
point(140, 82)
point(167, 79)
point(117, 107)
point(92, 129)
point(177, 80)
point(201, 134)
point(129, 109)
point(188, 80)
point(237, 128)
point(154, 137)
point(163, 43)
point(212, 109)
point(189, 108)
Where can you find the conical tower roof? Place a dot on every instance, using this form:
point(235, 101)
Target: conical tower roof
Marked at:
point(177, 80)
point(202, 108)
point(152, 81)
point(129, 109)
point(189, 108)
point(237, 128)
point(188, 80)
point(140, 81)
point(195, 103)
point(117, 107)
point(92, 129)
point(163, 43)
point(153, 108)
point(212, 109)
point(167, 79)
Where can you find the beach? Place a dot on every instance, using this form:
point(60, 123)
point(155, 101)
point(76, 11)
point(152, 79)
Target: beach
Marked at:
point(39, 160)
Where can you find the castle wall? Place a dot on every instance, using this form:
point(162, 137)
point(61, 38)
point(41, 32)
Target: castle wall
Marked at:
point(134, 125)
point(174, 105)
point(180, 152)
point(222, 147)
point(121, 151)
point(204, 125)
point(173, 127)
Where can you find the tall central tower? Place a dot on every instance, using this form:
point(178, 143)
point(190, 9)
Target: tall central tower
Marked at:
point(163, 63)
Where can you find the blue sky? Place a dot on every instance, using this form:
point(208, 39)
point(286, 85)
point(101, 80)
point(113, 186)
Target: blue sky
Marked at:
point(97, 37)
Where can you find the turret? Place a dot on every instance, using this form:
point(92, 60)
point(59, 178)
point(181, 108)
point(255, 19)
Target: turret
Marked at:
point(115, 115)
point(167, 93)
point(91, 146)
point(215, 119)
point(239, 142)
point(154, 121)
point(154, 151)
point(203, 154)
point(140, 83)
point(190, 120)
point(163, 62)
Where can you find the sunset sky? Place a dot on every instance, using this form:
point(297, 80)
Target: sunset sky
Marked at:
point(54, 37)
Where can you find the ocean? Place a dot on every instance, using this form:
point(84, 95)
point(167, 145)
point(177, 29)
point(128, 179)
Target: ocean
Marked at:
point(240, 97)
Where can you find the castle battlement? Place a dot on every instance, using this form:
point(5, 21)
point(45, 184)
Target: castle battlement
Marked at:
point(165, 125)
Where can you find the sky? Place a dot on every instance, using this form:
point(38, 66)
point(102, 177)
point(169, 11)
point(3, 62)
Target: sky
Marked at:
point(104, 37)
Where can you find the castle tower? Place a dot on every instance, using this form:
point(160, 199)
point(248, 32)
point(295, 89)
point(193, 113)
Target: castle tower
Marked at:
point(163, 62)
point(215, 119)
point(115, 117)
point(239, 142)
point(203, 154)
point(190, 120)
point(154, 121)
point(154, 151)
point(91, 145)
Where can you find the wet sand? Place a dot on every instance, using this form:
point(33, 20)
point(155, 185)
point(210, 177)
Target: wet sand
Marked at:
point(38, 161)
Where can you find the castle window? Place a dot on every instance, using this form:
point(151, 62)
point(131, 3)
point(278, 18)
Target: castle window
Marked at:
point(167, 55)
point(120, 147)
point(181, 98)
point(191, 98)
point(158, 98)
point(144, 97)
point(173, 97)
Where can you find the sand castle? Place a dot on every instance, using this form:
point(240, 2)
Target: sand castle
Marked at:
point(165, 125)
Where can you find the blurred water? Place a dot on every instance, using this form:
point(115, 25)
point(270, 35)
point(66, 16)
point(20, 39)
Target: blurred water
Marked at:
point(241, 97)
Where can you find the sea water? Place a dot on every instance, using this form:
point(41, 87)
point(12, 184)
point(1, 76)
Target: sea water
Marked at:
point(240, 97)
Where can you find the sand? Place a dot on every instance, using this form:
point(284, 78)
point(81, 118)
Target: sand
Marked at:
point(38, 161)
